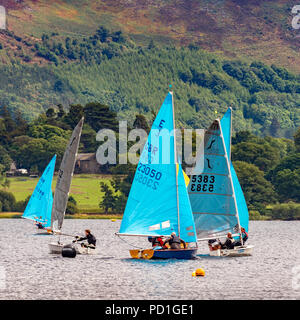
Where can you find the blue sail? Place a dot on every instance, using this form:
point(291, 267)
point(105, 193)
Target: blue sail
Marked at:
point(39, 206)
point(187, 225)
point(151, 207)
point(239, 195)
point(210, 190)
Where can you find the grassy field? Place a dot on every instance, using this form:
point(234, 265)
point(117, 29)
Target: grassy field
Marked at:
point(85, 189)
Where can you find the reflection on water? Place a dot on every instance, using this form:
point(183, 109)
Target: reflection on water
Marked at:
point(32, 273)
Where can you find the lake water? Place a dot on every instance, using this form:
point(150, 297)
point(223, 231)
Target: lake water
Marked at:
point(28, 271)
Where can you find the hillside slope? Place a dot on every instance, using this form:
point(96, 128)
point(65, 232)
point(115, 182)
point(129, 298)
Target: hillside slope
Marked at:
point(257, 29)
point(73, 52)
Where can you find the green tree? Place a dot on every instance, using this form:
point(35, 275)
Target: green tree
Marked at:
point(287, 184)
point(263, 156)
point(99, 116)
point(5, 159)
point(257, 190)
point(109, 200)
point(297, 140)
point(140, 122)
point(74, 115)
point(8, 201)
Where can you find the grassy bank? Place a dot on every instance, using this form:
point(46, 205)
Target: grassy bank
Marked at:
point(85, 189)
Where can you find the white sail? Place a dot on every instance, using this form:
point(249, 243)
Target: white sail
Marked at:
point(64, 179)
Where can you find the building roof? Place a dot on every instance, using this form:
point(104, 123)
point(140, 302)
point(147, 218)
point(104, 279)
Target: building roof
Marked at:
point(85, 156)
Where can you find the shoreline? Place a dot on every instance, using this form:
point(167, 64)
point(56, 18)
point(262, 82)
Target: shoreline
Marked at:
point(17, 215)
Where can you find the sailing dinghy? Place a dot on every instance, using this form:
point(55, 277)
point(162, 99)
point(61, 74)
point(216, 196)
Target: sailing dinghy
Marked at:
point(62, 189)
point(216, 197)
point(158, 202)
point(40, 203)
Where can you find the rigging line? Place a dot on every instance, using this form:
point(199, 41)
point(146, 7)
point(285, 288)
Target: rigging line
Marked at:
point(127, 242)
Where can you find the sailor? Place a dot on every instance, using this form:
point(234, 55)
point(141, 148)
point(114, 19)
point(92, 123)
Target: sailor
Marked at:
point(91, 239)
point(229, 242)
point(39, 225)
point(244, 237)
point(174, 242)
point(214, 244)
point(156, 241)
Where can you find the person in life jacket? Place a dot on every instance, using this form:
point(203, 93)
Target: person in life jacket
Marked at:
point(229, 242)
point(91, 239)
point(174, 242)
point(156, 241)
point(244, 237)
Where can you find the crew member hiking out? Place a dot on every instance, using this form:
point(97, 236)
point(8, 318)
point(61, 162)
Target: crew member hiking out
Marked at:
point(174, 242)
point(91, 239)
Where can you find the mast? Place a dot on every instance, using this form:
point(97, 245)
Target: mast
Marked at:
point(230, 178)
point(175, 162)
point(230, 134)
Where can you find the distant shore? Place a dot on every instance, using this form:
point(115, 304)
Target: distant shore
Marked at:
point(17, 215)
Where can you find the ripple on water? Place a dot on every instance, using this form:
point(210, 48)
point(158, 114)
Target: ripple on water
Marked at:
point(33, 273)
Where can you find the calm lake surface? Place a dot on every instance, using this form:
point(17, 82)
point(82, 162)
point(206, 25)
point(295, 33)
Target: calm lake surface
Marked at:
point(30, 272)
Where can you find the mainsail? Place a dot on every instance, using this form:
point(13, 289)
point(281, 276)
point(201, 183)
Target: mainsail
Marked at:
point(40, 203)
point(211, 191)
point(64, 179)
point(158, 202)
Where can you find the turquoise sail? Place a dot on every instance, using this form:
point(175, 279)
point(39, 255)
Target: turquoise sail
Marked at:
point(151, 208)
point(239, 195)
point(210, 190)
point(39, 206)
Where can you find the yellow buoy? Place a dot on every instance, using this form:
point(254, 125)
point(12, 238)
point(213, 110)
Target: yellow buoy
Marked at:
point(198, 273)
point(113, 220)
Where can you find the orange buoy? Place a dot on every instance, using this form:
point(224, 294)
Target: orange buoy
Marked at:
point(198, 273)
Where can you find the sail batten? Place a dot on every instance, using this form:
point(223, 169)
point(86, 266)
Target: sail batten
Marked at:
point(40, 203)
point(64, 178)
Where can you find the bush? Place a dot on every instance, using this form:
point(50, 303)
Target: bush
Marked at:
point(8, 201)
point(71, 206)
point(21, 205)
point(286, 211)
point(254, 215)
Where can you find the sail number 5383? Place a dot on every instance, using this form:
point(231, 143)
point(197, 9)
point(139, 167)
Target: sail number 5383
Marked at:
point(203, 183)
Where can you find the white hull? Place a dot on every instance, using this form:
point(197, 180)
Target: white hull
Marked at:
point(236, 252)
point(56, 248)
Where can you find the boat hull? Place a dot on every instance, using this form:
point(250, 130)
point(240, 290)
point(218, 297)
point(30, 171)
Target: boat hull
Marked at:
point(242, 251)
point(184, 254)
point(56, 248)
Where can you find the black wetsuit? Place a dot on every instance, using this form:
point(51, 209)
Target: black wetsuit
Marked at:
point(229, 244)
point(90, 239)
point(40, 226)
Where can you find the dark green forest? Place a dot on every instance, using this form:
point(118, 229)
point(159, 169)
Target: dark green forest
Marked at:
point(111, 68)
